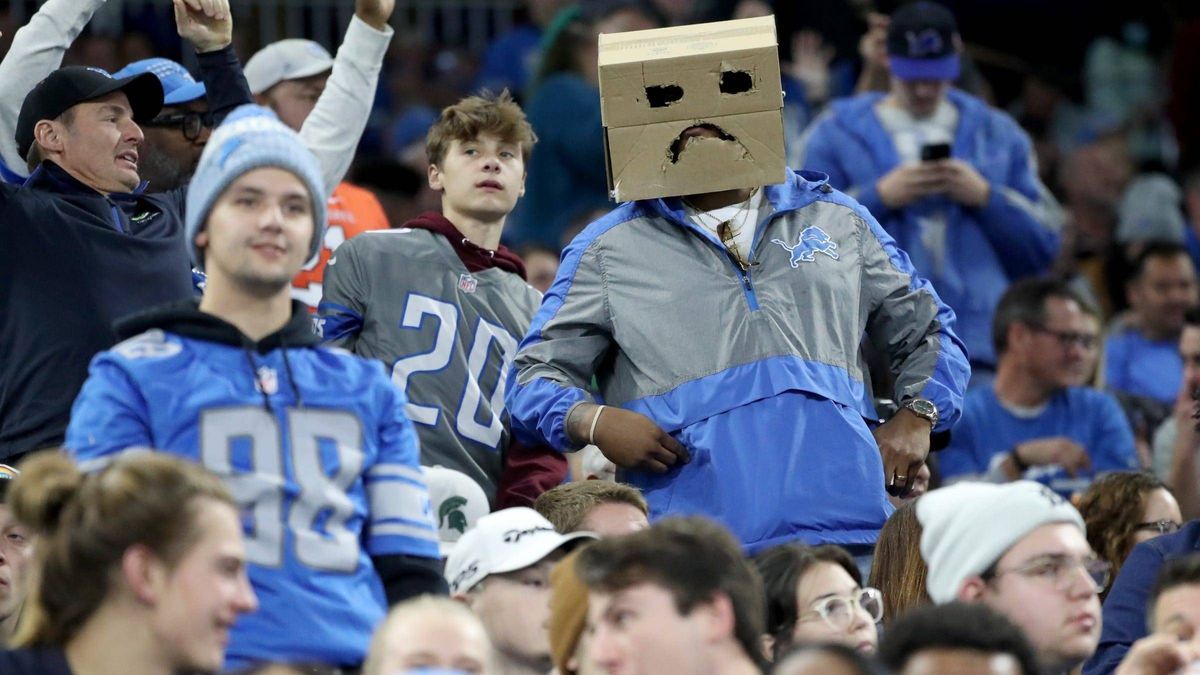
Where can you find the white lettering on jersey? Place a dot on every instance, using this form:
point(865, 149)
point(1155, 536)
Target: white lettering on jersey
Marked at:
point(152, 344)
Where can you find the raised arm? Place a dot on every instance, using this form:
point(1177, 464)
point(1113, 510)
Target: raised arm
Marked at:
point(37, 50)
point(337, 121)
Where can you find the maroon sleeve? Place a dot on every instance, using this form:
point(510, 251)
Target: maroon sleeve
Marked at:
point(527, 473)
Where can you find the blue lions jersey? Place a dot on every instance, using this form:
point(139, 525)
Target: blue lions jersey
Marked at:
point(314, 445)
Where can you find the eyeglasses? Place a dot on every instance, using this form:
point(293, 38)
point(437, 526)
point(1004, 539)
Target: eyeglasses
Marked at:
point(838, 611)
point(1068, 338)
point(190, 123)
point(1160, 526)
point(1057, 569)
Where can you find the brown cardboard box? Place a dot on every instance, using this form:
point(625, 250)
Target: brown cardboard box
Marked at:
point(654, 84)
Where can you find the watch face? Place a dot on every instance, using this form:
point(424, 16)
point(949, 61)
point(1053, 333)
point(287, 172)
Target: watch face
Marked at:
point(922, 407)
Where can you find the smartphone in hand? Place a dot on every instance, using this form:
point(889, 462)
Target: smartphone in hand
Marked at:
point(931, 152)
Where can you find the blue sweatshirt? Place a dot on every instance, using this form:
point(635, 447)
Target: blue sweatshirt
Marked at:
point(1012, 236)
point(1091, 418)
point(1125, 606)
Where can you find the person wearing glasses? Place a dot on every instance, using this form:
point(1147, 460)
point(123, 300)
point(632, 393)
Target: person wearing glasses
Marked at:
point(1125, 508)
point(814, 595)
point(1019, 548)
point(176, 136)
point(1037, 420)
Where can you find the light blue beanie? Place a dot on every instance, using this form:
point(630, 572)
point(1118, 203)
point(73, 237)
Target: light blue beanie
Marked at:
point(251, 137)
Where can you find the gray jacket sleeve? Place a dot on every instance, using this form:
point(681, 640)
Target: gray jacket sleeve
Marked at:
point(911, 323)
point(37, 50)
point(569, 337)
point(337, 122)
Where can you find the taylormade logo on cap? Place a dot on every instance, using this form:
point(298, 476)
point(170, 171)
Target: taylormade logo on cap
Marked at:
point(504, 541)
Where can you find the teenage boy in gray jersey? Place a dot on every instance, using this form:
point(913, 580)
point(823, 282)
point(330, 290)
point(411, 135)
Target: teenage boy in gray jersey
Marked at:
point(443, 303)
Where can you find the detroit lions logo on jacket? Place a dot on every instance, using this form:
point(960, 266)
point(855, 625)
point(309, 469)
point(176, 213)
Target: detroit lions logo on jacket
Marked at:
point(813, 240)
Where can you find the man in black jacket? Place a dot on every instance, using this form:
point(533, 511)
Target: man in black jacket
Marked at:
point(83, 243)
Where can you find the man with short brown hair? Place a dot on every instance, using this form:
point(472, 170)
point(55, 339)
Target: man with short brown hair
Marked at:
point(603, 507)
point(677, 597)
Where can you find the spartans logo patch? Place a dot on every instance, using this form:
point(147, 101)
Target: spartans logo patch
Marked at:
point(450, 514)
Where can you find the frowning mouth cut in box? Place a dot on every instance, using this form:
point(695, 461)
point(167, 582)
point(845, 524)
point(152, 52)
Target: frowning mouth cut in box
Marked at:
point(692, 109)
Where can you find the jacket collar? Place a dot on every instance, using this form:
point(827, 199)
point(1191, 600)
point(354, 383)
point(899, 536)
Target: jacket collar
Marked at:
point(53, 178)
point(799, 190)
point(185, 318)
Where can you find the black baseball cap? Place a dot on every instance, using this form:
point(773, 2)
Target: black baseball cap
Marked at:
point(72, 85)
point(923, 42)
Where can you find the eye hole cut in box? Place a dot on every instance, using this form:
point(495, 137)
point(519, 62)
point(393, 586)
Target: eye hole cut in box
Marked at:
point(691, 109)
point(731, 82)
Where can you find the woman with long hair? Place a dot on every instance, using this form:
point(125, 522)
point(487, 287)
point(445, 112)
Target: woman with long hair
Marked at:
point(139, 568)
point(1125, 508)
point(898, 570)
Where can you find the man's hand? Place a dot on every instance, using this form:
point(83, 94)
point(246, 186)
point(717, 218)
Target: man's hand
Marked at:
point(1057, 450)
point(909, 182)
point(374, 12)
point(904, 444)
point(1158, 655)
point(628, 439)
point(963, 183)
point(207, 24)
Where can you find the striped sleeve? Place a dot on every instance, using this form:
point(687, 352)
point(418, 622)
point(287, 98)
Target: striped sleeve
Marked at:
point(400, 515)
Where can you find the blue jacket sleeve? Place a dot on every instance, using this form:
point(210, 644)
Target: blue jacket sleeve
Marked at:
point(399, 513)
point(914, 326)
point(1021, 219)
point(567, 340)
point(109, 415)
point(1124, 610)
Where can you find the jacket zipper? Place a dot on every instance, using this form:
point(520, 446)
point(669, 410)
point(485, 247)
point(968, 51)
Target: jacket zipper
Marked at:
point(116, 215)
point(743, 271)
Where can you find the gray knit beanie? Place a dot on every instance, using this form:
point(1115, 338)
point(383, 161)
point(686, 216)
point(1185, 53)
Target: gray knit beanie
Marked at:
point(251, 137)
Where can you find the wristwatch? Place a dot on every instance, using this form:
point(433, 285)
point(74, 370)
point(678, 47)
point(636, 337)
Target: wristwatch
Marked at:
point(923, 408)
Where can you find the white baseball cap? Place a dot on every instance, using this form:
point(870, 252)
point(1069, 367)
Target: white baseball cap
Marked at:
point(505, 541)
point(458, 503)
point(292, 59)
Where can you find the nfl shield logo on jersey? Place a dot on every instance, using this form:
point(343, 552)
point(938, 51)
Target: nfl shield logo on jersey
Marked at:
point(267, 381)
point(467, 283)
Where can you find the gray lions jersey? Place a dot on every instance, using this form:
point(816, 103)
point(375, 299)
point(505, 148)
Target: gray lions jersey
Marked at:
point(447, 336)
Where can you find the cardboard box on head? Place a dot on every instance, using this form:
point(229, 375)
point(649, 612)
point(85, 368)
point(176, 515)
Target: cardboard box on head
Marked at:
point(692, 109)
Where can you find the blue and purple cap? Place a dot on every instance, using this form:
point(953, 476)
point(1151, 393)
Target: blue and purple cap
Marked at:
point(178, 84)
point(7, 474)
point(923, 43)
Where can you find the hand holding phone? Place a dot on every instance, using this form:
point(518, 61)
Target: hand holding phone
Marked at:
point(931, 152)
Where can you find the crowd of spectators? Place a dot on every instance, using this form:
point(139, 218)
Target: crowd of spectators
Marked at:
point(972, 447)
